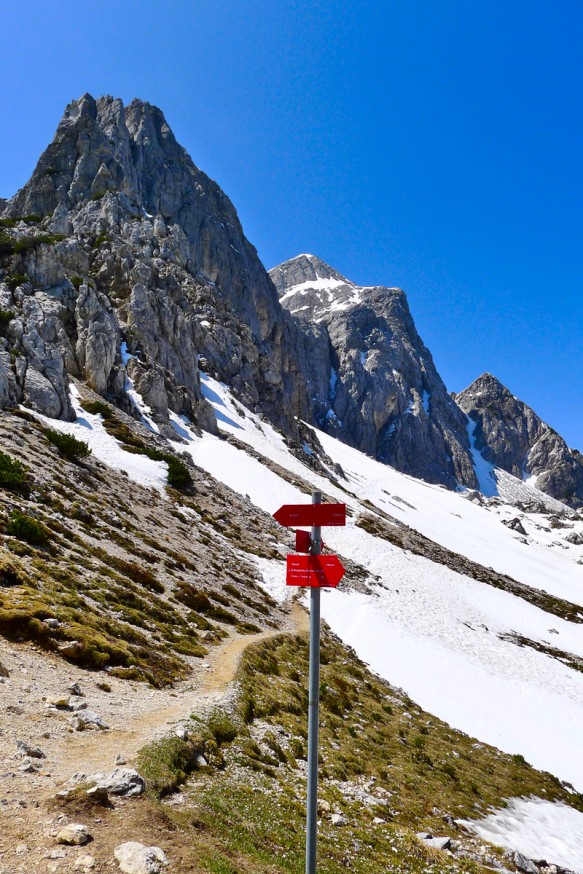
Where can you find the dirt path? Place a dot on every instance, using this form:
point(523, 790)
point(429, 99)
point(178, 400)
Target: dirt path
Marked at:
point(85, 752)
point(136, 715)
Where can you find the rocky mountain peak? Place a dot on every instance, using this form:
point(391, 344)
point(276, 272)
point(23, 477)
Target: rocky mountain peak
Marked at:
point(304, 269)
point(118, 236)
point(312, 290)
point(385, 395)
point(509, 434)
point(103, 146)
point(490, 385)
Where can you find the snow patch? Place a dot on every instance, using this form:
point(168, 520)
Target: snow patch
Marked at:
point(143, 409)
point(89, 428)
point(319, 284)
point(485, 472)
point(272, 578)
point(538, 829)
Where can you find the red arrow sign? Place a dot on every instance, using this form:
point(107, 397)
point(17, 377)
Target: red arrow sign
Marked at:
point(314, 571)
point(311, 514)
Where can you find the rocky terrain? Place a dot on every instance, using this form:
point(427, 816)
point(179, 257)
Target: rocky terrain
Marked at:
point(510, 435)
point(123, 265)
point(119, 237)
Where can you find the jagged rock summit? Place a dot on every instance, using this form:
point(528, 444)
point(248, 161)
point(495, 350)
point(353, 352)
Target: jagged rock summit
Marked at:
point(509, 434)
point(119, 237)
point(385, 395)
point(310, 288)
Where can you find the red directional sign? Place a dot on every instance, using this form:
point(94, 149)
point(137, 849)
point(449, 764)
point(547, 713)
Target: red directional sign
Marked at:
point(315, 571)
point(311, 514)
point(303, 541)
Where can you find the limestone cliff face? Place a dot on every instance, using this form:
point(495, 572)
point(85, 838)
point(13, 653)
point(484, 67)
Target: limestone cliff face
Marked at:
point(510, 434)
point(118, 237)
point(385, 395)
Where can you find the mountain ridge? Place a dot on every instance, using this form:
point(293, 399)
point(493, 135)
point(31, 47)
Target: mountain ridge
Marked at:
point(118, 238)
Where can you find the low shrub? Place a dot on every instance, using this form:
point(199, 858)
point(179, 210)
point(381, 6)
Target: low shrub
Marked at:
point(97, 408)
point(68, 446)
point(6, 245)
point(13, 280)
point(13, 474)
point(27, 244)
point(26, 528)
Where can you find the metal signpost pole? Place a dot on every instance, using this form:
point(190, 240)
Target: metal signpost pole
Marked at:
point(313, 707)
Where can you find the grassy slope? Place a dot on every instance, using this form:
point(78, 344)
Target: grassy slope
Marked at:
point(247, 809)
point(117, 565)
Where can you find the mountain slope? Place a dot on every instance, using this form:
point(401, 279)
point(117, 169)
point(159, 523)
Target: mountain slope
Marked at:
point(385, 395)
point(481, 625)
point(510, 435)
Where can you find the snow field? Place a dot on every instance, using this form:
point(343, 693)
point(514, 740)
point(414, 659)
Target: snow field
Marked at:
point(425, 627)
point(90, 429)
point(528, 824)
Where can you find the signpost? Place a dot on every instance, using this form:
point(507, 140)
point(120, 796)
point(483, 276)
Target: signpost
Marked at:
point(315, 571)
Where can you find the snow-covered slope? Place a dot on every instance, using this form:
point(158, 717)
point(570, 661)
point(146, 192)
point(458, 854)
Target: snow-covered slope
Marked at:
point(496, 652)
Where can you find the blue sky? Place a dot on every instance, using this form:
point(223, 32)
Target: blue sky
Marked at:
point(432, 145)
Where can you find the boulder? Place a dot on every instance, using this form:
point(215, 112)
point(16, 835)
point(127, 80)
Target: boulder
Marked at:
point(123, 781)
point(135, 858)
point(74, 834)
point(25, 749)
point(522, 862)
point(84, 863)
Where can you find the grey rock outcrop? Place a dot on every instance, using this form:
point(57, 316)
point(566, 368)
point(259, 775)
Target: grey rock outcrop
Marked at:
point(119, 237)
point(509, 434)
point(384, 393)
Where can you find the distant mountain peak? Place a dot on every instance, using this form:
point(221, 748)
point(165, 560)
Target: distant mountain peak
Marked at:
point(509, 434)
point(487, 382)
point(307, 271)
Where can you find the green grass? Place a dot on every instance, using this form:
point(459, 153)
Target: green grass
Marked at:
point(248, 808)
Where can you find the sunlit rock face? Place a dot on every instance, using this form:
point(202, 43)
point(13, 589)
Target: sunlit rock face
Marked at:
point(124, 239)
point(384, 394)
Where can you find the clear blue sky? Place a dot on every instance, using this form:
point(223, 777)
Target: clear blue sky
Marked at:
point(433, 145)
